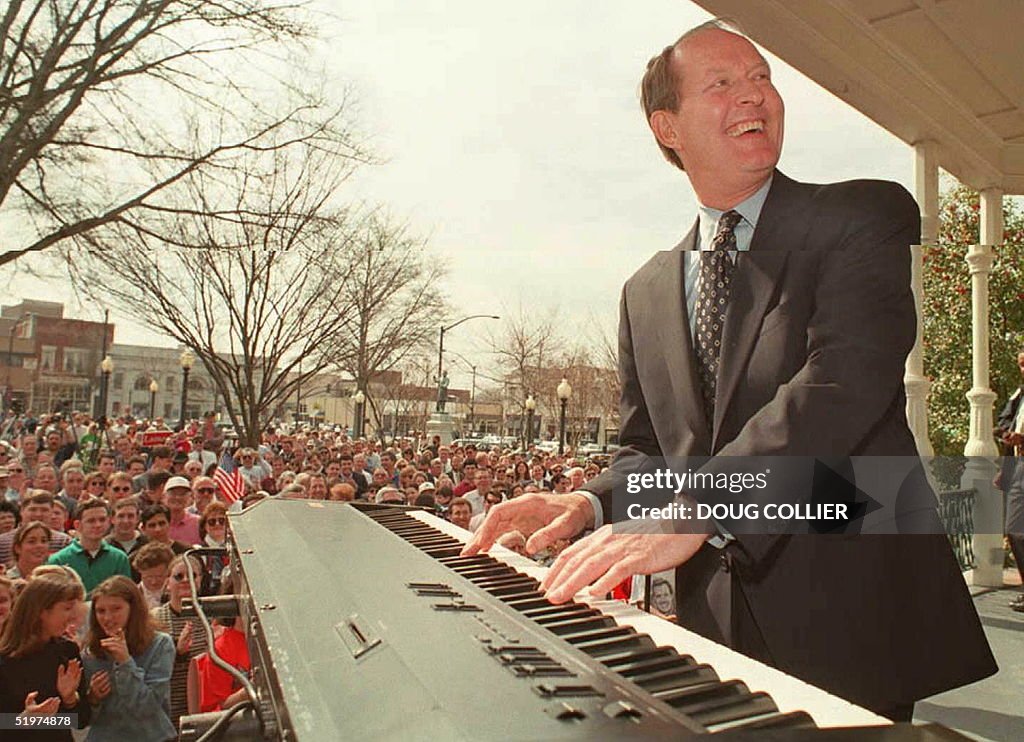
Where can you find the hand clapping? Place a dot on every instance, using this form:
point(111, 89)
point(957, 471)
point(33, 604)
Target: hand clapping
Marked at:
point(99, 687)
point(68, 676)
point(46, 708)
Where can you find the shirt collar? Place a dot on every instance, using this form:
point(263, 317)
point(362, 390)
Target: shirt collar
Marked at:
point(749, 209)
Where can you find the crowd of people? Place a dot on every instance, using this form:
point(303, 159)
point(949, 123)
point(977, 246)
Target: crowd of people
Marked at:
point(94, 550)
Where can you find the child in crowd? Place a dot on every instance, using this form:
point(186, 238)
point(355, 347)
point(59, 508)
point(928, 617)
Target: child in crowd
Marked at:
point(153, 563)
point(128, 663)
point(188, 635)
point(40, 669)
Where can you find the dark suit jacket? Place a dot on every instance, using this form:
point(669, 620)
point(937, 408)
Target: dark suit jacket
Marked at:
point(820, 321)
point(1004, 424)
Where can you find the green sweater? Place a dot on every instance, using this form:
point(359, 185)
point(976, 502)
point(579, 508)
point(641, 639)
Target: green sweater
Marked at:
point(109, 561)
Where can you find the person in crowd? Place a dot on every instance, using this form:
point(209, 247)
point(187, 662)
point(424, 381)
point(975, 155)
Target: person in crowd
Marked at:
point(125, 534)
point(156, 520)
point(348, 473)
point(28, 454)
point(16, 483)
point(152, 564)
point(389, 495)
point(184, 525)
point(119, 486)
point(59, 516)
point(204, 489)
point(31, 548)
point(153, 492)
point(45, 478)
point(484, 483)
point(40, 668)
point(10, 516)
point(294, 491)
point(106, 464)
point(72, 481)
point(219, 689)
point(317, 486)
point(89, 555)
point(252, 468)
point(96, 485)
point(492, 498)
point(286, 479)
point(1010, 432)
point(192, 469)
point(128, 664)
point(136, 467)
point(343, 492)
point(37, 506)
point(467, 478)
point(460, 512)
point(188, 634)
point(162, 458)
point(213, 532)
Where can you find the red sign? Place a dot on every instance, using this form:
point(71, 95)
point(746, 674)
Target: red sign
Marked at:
point(152, 438)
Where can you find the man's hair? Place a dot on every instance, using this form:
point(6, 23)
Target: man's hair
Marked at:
point(135, 460)
point(154, 510)
point(163, 452)
point(37, 497)
point(157, 479)
point(460, 501)
point(90, 504)
point(127, 502)
point(659, 88)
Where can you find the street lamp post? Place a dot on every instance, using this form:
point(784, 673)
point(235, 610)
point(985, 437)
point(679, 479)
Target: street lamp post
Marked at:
point(531, 405)
point(106, 366)
point(153, 389)
point(445, 328)
point(357, 425)
point(564, 391)
point(187, 360)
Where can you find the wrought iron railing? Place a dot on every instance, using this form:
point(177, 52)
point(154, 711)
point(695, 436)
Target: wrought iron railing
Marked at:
point(956, 508)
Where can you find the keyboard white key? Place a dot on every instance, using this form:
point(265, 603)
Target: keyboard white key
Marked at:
point(789, 693)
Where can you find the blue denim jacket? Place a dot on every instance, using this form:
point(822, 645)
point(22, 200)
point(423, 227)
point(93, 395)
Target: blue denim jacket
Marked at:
point(139, 705)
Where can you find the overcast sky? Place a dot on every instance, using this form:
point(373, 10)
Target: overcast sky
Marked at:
point(511, 138)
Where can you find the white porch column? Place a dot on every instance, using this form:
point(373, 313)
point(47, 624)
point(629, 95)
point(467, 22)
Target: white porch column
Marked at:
point(926, 190)
point(981, 447)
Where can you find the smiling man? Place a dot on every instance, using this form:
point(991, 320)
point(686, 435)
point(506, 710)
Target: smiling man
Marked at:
point(779, 326)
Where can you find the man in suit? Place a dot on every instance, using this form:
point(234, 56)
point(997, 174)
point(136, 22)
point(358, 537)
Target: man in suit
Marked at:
point(785, 335)
point(1010, 430)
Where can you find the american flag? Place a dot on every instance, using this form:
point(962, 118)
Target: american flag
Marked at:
point(229, 480)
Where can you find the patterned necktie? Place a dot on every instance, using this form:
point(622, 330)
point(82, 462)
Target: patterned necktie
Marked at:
point(716, 266)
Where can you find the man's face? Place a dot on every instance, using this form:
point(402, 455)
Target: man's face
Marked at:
point(136, 468)
point(380, 477)
point(46, 479)
point(163, 464)
point(74, 481)
point(53, 441)
point(106, 465)
point(333, 469)
point(33, 512)
point(156, 528)
point(177, 499)
point(29, 445)
point(728, 129)
point(193, 469)
point(93, 525)
point(460, 514)
point(125, 521)
point(123, 446)
point(317, 488)
point(483, 481)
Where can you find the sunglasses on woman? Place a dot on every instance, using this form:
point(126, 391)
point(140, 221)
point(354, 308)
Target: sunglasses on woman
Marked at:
point(216, 521)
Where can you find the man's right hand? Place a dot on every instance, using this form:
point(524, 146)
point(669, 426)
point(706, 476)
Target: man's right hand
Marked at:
point(542, 518)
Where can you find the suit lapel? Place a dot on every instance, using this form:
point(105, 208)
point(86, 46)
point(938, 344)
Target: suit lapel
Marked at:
point(676, 347)
point(753, 285)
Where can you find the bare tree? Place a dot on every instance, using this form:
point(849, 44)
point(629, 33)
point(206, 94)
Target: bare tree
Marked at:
point(93, 95)
point(251, 279)
point(394, 302)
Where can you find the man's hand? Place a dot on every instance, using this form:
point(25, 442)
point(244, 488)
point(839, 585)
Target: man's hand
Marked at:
point(605, 558)
point(542, 518)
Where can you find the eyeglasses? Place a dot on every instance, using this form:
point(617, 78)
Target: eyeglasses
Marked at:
point(96, 483)
point(12, 470)
point(120, 489)
point(206, 490)
point(216, 521)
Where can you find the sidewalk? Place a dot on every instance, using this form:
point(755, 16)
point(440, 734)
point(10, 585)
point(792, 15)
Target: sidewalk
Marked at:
point(991, 709)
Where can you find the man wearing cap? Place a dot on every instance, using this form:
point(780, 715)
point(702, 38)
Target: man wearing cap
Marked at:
point(184, 526)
